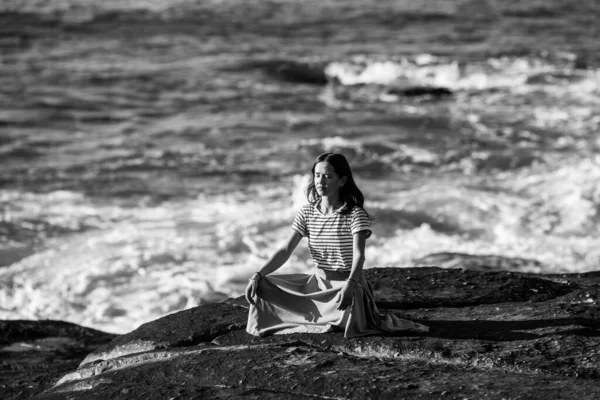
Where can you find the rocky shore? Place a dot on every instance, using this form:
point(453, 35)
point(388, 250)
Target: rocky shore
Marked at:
point(493, 335)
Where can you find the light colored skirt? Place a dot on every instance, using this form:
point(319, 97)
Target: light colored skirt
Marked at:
point(296, 303)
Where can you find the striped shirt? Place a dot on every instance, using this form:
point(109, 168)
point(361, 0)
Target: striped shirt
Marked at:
point(330, 236)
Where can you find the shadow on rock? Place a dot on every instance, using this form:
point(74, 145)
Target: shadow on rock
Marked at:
point(512, 330)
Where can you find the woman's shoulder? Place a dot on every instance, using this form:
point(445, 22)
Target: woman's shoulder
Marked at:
point(358, 210)
point(360, 214)
point(306, 208)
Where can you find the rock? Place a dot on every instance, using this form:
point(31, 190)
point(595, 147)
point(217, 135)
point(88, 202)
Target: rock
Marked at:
point(298, 72)
point(185, 328)
point(417, 91)
point(34, 354)
point(584, 60)
point(471, 262)
point(403, 288)
point(312, 73)
point(492, 334)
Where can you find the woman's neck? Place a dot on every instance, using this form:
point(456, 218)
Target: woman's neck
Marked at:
point(329, 205)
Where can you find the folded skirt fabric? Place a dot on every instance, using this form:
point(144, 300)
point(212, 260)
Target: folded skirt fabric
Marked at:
point(307, 303)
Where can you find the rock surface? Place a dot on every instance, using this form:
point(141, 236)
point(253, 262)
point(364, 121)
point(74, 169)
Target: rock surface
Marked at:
point(493, 335)
point(35, 354)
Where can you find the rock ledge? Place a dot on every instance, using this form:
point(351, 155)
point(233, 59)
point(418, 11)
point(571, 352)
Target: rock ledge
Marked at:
point(492, 335)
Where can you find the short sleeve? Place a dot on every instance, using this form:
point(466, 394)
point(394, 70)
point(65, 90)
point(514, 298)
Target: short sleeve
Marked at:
point(299, 224)
point(360, 221)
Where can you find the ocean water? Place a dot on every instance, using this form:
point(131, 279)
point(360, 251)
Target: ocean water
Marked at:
point(153, 154)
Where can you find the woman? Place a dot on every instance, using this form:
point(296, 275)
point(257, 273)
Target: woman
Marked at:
point(336, 296)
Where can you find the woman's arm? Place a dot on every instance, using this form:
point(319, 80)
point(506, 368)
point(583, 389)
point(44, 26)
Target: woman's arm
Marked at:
point(274, 263)
point(281, 255)
point(358, 259)
point(359, 240)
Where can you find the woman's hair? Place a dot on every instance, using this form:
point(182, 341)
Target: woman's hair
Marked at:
point(350, 194)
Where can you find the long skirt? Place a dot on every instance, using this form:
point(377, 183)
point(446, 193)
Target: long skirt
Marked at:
point(296, 303)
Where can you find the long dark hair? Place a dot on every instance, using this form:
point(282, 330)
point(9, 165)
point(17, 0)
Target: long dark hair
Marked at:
point(350, 194)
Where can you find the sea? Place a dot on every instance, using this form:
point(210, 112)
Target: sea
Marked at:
point(153, 154)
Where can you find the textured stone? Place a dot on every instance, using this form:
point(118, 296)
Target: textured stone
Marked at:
point(492, 335)
point(185, 328)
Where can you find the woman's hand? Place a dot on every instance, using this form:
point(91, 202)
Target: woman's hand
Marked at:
point(346, 295)
point(251, 290)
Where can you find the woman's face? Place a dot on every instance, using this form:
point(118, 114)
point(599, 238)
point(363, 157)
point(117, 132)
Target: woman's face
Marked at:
point(327, 182)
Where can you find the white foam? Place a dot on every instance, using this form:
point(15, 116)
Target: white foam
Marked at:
point(143, 262)
point(429, 70)
point(546, 214)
